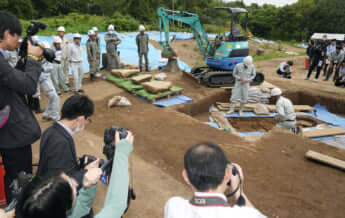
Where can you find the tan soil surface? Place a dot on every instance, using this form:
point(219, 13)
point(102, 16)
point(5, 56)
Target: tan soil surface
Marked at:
point(278, 179)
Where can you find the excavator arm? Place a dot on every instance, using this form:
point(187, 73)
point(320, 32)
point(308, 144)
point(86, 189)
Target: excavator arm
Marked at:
point(189, 19)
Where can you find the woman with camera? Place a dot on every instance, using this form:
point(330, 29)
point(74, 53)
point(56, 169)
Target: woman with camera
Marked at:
point(54, 195)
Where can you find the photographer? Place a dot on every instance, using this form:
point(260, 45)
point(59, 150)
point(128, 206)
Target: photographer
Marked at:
point(21, 129)
point(57, 148)
point(208, 172)
point(55, 195)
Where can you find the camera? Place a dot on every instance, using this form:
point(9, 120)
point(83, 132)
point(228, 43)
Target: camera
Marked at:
point(17, 187)
point(109, 140)
point(33, 29)
point(83, 163)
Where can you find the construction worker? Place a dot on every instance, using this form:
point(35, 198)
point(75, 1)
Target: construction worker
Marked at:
point(76, 61)
point(244, 73)
point(45, 82)
point(284, 69)
point(91, 48)
point(336, 58)
point(98, 58)
point(142, 41)
point(329, 49)
point(64, 57)
point(58, 76)
point(112, 42)
point(286, 115)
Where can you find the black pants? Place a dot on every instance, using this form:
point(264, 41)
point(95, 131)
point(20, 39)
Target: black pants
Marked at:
point(330, 71)
point(339, 82)
point(15, 160)
point(315, 64)
point(284, 74)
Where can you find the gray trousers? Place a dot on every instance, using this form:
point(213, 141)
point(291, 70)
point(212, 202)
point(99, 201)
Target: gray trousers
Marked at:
point(77, 71)
point(239, 94)
point(113, 61)
point(53, 107)
point(141, 59)
point(98, 61)
point(65, 69)
point(58, 77)
point(93, 67)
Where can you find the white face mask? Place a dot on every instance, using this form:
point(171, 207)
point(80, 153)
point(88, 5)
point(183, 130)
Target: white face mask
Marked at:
point(78, 129)
point(110, 32)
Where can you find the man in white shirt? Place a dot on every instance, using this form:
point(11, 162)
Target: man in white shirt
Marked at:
point(284, 69)
point(64, 55)
point(76, 60)
point(210, 174)
point(286, 115)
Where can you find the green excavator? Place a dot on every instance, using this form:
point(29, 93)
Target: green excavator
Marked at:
point(221, 56)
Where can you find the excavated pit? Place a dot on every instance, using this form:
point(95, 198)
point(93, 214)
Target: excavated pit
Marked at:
point(200, 110)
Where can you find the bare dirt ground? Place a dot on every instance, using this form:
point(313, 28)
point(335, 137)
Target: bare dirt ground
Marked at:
point(278, 179)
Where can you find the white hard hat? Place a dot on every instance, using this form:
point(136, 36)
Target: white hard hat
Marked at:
point(35, 39)
point(141, 28)
point(45, 44)
point(276, 92)
point(95, 29)
point(76, 35)
point(248, 60)
point(61, 29)
point(91, 32)
point(57, 39)
point(111, 27)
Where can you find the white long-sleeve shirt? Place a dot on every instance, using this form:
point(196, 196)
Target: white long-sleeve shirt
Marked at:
point(241, 71)
point(285, 110)
point(75, 53)
point(178, 207)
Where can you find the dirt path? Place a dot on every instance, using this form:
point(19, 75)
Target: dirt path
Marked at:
point(278, 179)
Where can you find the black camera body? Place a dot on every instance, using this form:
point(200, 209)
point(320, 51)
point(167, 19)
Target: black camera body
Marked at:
point(83, 163)
point(109, 140)
point(33, 29)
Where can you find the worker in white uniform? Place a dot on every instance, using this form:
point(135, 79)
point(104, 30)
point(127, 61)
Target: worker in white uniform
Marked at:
point(76, 61)
point(58, 77)
point(244, 73)
point(64, 56)
point(286, 115)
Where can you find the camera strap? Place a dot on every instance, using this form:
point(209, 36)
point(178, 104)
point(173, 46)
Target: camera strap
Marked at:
point(211, 201)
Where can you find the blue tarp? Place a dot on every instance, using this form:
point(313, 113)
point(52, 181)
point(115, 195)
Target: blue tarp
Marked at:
point(181, 99)
point(245, 134)
point(128, 48)
point(212, 124)
point(324, 115)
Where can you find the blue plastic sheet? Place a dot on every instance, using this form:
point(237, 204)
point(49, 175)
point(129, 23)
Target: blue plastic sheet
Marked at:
point(181, 99)
point(245, 134)
point(128, 48)
point(324, 115)
point(332, 140)
point(212, 124)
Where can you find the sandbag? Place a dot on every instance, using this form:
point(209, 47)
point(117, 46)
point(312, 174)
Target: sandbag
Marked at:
point(261, 109)
point(124, 73)
point(156, 86)
point(160, 76)
point(141, 78)
point(119, 101)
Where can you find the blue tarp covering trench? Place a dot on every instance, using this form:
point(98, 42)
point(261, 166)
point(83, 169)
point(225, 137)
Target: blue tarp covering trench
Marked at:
point(181, 99)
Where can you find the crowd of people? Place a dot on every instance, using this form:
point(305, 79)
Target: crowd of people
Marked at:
point(327, 56)
point(61, 188)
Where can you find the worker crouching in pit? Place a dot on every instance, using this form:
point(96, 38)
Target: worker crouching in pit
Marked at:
point(244, 73)
point(286, 115)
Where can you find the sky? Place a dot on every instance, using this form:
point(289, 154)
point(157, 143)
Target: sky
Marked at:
point(273, 2)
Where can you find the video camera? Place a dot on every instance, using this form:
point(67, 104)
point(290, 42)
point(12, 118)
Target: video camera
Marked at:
point(33, 29)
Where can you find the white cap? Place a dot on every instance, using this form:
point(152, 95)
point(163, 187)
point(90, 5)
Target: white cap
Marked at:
point(141, 28)
point(45, 44)
point(111, 27)
point(91, 32)
point(276, 92)
point(61, 29)
point(248, 60)
point(76, 35)
point(95, 29)
point(35, 38)
point(57, 39)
